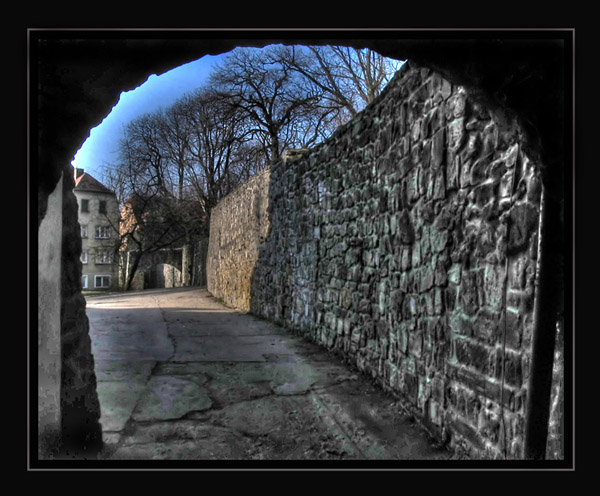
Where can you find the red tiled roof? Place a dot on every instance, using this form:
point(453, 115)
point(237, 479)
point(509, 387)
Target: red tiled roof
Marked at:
point(85, 182)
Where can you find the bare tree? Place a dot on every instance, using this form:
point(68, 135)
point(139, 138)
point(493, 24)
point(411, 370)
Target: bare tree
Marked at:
point(144, 155)
point(214, 135)
point(271, 96)
point(176, 164)
point(151, 224)
point(174, 135)
point(198, 149)
point(349, 78)
point(152, 216)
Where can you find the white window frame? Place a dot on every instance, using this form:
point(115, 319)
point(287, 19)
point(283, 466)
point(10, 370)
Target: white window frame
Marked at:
point(84, 231)
point(84, 281)
point(102, 232)
point(84, 257)
point(103, 257)
point(96, 281)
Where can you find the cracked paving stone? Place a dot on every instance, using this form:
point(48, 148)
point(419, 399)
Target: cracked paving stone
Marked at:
point(168, 397)
point(283, 428)
point(122, 370)
point(204, 394)
point(300, 386)
point(265, 416)
point(163, 432)
point(184, 442)
point(117, 401)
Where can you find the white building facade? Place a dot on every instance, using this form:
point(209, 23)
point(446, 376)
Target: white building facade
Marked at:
point(99, 224)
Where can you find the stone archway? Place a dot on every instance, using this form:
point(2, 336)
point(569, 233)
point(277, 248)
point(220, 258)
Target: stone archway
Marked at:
point(77, 78)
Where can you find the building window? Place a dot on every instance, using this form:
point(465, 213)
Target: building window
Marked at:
point(102, 232)
point(84, 231)
point(103, 257)
point(102, 207)
point(101, 281)
point(85, 205)
point(84, 257)
point(84, 281)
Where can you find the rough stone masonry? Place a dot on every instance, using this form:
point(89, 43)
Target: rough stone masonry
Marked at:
point(408, 243)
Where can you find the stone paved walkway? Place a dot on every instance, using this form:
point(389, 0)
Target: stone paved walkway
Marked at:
point(181, 377)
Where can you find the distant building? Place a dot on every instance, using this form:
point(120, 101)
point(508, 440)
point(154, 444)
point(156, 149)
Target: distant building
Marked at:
point(99, 223)
point(164, 243)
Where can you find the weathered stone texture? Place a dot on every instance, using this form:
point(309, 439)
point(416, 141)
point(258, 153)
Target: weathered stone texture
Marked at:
point(408, 243)
point(81, 434)
point(238, 225)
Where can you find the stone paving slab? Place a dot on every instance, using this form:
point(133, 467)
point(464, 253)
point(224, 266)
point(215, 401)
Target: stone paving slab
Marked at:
point(167, 397)
point(228, 348)
point(117, 402)
point(191, 329)
point(185, 440)
point(123, 370)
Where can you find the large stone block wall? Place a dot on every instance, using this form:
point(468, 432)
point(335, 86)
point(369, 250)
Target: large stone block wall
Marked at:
point(408, 243)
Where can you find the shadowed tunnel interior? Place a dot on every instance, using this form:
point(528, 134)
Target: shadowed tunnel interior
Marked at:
point(76, 78)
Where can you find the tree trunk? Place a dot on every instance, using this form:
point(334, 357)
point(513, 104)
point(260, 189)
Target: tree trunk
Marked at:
point(275, 155)
point(133, 269)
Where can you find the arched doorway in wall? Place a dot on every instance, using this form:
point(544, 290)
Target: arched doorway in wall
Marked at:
point(162, 276)
point(377, 42)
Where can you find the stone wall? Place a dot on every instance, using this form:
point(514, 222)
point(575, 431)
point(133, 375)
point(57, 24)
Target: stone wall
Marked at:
point(199, 251)
point(49, 300)
point(71, 94)
point(162, 276)
point(408, 243)
point(166, 268)
point(68, 407)
point(555, 444)
point(238, 228)
point(81, 434)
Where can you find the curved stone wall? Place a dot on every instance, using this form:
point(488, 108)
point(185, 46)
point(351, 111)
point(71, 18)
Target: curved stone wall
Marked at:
point(408, 243)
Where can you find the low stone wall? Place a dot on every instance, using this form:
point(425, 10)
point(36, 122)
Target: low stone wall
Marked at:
point(408, 243)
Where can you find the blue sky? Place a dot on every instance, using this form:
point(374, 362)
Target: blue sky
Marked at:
point(100, 150)
point(101, 147)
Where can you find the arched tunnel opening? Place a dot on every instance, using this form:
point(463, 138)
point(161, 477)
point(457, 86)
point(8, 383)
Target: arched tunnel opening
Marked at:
point(503, 74)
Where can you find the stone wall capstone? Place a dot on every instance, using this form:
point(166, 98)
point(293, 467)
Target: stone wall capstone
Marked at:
point(407, 242)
